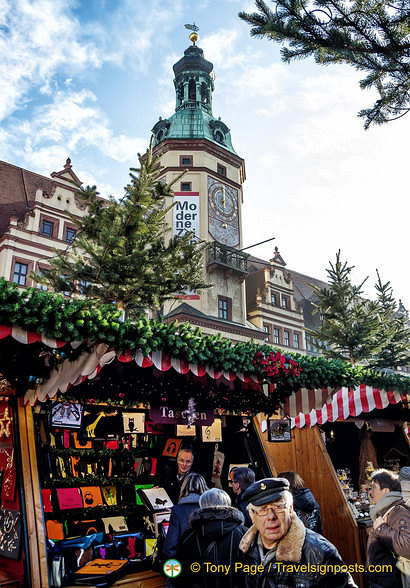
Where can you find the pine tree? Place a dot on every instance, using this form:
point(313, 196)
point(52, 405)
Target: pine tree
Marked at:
point(123, 251)
point(350, 323)
point(373, 36)
point(394, 332)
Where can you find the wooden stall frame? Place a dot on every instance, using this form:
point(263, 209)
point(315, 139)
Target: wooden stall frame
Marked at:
point(35, 525)
point(306, 454)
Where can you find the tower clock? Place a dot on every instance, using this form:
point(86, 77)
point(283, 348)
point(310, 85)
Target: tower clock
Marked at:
point(223, 218)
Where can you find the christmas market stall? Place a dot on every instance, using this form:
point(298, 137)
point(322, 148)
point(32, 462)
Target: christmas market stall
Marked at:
point(102, 407)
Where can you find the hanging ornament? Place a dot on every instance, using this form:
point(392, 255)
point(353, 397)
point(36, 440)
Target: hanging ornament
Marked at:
point(191, 413)
point(5, 423)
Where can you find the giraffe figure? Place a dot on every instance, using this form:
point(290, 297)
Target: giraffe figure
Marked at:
point(91, 428)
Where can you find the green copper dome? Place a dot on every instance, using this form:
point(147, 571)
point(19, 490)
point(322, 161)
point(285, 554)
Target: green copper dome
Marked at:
point(193, 119)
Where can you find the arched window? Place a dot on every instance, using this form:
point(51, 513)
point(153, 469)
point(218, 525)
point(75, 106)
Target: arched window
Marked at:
point(204, 93)
point(160, 135)
point(192, 90)
point(219, 136)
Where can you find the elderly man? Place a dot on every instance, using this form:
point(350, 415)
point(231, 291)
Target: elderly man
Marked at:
point(282, 550)
point(390, 534)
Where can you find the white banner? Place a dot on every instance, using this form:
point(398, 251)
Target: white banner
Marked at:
point(186, 214)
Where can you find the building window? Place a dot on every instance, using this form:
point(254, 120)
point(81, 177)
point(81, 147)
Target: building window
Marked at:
point(221, 169)
point(186, 187)
point(84, 284)
point(286, 338)
point(273, 298)
point(65, 292)
point(266, 329)
point(20, 273)
point(284, 302)
point(40, 286)
point(296, 341)
point(276, 336)
point(224, 308)
point(47, 228)
point(69, 234)
point(185, 160)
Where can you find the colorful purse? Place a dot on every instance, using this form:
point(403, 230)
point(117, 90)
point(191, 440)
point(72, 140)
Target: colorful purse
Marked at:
point(91, 496)
point(69, 498)
point(54, 530)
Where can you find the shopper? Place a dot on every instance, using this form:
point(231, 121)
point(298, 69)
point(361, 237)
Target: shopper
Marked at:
point(281, 550)
point(192, 488)
point(404, 477)
point(175, 473)
point(304, 503)
point(213, 540)
point(390, 534)
point(242, 478)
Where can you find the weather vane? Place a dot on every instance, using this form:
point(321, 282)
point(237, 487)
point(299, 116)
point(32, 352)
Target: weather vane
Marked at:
point(194, 35)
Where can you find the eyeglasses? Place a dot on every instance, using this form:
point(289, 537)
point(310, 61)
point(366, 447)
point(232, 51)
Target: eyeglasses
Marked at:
point(235, 482)
point(262, 512)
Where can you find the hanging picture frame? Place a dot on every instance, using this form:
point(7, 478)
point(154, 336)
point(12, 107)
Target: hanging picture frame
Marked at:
point(66, 415)
point(212, 433)
point(279, 431)
point(133, 422)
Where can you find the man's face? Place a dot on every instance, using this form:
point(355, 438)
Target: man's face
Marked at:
point(376, 492)
point(236, 489)
point(272, 520)
point(185, 460)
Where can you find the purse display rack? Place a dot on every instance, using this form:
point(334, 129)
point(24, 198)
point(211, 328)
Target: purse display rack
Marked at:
point(90, 474)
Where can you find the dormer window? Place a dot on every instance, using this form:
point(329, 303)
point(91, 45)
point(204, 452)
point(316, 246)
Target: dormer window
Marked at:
point(219, 136)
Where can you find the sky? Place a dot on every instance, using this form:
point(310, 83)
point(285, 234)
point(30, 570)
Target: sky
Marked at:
point(88, 79)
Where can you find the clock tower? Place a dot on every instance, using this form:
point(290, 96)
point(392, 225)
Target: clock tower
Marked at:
point(208, 197)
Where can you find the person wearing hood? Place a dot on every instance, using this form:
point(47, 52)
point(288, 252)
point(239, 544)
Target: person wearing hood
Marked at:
point(304, 503)
point(213, 540)
point(192, 488)
point(390, 534)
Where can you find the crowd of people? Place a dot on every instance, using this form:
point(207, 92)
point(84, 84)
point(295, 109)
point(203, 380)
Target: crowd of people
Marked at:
point(272, 536)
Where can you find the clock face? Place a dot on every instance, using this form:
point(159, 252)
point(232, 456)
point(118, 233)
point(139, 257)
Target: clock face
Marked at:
point(223, 212)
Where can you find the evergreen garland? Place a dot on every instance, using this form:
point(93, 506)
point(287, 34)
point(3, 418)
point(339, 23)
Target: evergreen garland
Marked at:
point(78, 320)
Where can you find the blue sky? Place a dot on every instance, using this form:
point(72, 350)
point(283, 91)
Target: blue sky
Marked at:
point(88, 80)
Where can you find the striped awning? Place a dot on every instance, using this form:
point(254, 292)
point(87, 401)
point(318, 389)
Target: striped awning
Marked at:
point(341, 404)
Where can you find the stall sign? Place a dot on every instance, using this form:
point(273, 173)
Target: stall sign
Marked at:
point(213, 433)
point(171, 415)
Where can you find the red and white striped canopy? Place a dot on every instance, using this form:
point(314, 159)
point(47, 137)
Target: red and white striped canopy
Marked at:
point(341, 404)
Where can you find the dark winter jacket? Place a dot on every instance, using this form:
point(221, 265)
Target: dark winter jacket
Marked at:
point(241, 506)
point(178, 523)
point(213, 539)
point(391, 537)
point(299, 547)
point(307, 509)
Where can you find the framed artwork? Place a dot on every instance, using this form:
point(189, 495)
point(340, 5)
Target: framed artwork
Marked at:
point(212, 433)
point(279, 431)
point(171, 447)
point(133, 422)
point(66, 414)
point(156, 498)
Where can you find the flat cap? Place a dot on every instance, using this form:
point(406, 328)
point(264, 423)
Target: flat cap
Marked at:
point(266, 490)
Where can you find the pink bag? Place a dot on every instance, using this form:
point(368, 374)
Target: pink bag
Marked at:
point(69, 498)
